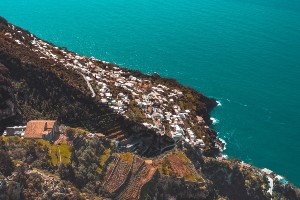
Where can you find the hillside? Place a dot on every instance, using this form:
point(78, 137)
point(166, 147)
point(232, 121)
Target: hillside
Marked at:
point(48, 88)
point(156, 142)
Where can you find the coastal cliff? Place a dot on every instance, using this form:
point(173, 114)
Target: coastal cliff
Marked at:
point(141, 154)
point(54, 87)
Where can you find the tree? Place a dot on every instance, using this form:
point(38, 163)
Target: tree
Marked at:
point(2, 145)
point(70, 133)
point(6, 164)
point(30, 153)
point(66, 172)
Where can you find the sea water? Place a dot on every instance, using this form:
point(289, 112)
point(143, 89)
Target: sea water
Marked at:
point(244, 53)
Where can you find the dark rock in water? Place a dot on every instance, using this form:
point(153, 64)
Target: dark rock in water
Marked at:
point(156, 75)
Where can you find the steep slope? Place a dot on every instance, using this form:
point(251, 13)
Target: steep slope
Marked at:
point(8, 109)
point(137, 158)
point(97, 170)
point(44, 89)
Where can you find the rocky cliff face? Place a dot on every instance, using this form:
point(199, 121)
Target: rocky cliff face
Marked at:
point(8, 104)
point(7, 98)
point(130, 162)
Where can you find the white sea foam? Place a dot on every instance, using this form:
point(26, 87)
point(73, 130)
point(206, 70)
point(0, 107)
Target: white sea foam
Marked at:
point(224, 156)
point(214, 120)
point(224, 142)
point(219, 103)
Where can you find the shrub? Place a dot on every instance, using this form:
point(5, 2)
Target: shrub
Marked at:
point(6, 164)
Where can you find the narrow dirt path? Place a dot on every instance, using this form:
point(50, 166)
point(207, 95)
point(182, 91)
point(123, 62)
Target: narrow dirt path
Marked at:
point(89, 85)
point(59, 155)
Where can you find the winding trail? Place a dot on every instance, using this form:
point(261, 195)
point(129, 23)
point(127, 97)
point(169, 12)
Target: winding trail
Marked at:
point(59, 155)
point(89, 85)
point(171, 145)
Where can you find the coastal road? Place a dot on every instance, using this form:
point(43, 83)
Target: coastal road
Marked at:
point(89, 85)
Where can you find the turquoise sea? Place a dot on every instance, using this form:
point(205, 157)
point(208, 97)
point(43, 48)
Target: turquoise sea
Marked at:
point(245, 53)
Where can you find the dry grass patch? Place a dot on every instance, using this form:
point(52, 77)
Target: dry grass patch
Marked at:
point(59, 153)
point(128, 157)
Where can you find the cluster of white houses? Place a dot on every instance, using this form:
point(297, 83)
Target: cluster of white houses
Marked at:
point(156, 102)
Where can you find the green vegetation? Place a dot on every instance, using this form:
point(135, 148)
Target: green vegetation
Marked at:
point(6, 164)
point(103, 159)
point(4, 138)
point(199, 132)
point(59, 153)
point(81, 131)
point(135, 113)
point(88, 155)
point(166, 170)
point(194, 178)
point(184, 170)
point(127, 157)
point(182, 156)
point(27, 151)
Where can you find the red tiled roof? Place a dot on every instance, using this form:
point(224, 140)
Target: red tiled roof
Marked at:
point(100, 134)
point(38, 128)
point(199, 118)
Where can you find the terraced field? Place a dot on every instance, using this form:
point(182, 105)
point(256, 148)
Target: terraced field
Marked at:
point(137, 163)
point(177, 164)
point(119, 176)
point(129, 172)
point(134, 188)
point(110, 169)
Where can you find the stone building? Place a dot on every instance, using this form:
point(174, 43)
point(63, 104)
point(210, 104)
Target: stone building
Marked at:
point(41, 129)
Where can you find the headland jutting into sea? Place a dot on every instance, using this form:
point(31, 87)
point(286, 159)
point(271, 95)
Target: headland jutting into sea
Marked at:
point(151, 129)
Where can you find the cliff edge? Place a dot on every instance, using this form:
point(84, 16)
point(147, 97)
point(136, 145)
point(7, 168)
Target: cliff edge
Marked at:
point(123, 134)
